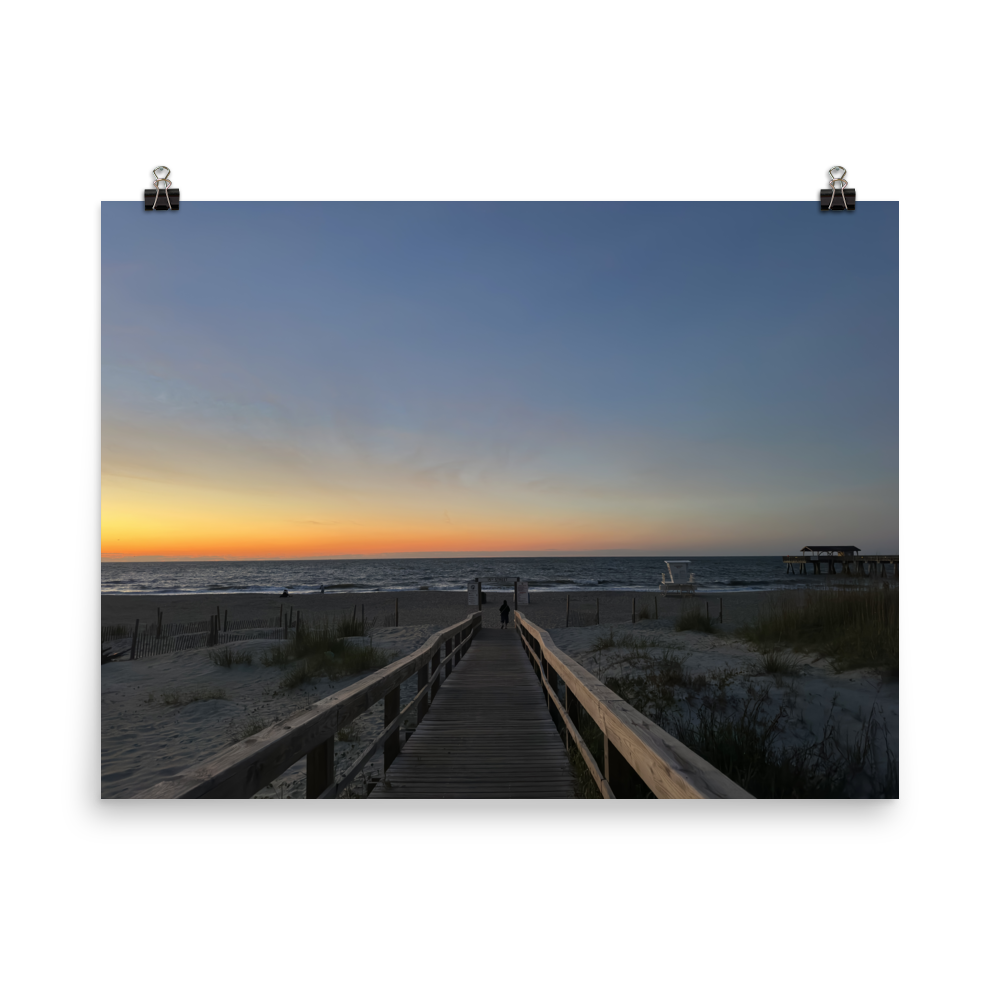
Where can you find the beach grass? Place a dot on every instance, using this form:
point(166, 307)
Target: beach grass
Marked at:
point(777, 663)
point(737, 737)
point(178, 698)
point(854, 626)
point(627, 640)
point(735, 725)
point(278, 655)
point(746, 745)
point(324, 651)
point(229, 657)
point(351, 733)
point(743, 745)
point(694, 621)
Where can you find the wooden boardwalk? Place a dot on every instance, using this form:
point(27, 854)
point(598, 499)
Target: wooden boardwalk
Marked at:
point(487, 734)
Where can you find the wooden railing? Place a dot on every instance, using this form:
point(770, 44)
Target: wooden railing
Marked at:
point(635, 748)
point(243, 769)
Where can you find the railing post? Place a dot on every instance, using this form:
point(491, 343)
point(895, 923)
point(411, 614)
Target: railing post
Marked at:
point(390, 750)
point(573, 711)
point(448, 647)
point(553, 678)
point(435, 663)
point(619, 774)
point(422, 705)
point(319, 769)
point(617, 768)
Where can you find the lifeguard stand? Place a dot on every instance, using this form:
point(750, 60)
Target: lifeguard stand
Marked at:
point(678, 579)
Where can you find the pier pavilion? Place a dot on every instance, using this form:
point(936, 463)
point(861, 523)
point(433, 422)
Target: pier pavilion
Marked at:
point(848, 557)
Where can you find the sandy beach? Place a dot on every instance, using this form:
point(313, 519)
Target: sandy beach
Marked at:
point(545, 608)
point(164, 713)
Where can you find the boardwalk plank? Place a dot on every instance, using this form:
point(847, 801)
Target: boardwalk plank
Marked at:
point(488, 733)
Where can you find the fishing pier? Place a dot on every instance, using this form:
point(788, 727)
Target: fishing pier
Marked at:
point(847, 557)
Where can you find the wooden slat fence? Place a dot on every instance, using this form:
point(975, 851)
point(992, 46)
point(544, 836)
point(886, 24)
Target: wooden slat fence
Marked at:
point(143, 639)
point(168, 629)
point(616, 609)
point(638, 754)
point(243, 769)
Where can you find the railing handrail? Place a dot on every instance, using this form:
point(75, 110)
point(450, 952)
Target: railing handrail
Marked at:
point(667, 767)
point(244, 768)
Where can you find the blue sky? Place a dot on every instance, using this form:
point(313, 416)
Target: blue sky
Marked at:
point(330, 378)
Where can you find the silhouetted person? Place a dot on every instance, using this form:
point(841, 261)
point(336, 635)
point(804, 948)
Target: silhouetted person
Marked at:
point(504, 614)
point(284, 593)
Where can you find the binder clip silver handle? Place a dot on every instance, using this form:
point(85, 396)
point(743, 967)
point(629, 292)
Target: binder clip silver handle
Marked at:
point(838, 182)
point(161, 182)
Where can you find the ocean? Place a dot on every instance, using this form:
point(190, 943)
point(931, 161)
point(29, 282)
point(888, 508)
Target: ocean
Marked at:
point(713, 574)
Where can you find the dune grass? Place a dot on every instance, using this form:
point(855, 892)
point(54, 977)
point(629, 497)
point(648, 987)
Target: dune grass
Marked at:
point(178, 699)
point(694, 621)
point(324, 651)
point(278, 655)
point(777, 663)
point(746, 745)
point(226, 656)
point(854, 626)
point(741, 732)
point(740, 738)
point(351, 733)
point(629, 641)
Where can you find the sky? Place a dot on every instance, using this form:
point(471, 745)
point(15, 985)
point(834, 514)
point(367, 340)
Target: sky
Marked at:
point(313, 380)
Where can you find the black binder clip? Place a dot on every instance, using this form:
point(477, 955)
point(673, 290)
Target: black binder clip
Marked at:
point(840, 198)
point(163, 197)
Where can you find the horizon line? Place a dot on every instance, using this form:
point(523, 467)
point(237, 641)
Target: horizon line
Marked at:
point(112, 557)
